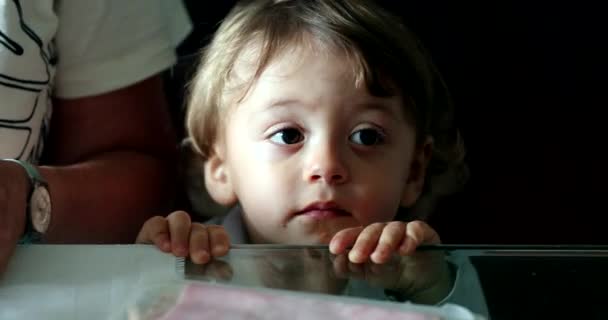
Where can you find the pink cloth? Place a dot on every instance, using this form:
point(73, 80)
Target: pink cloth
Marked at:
point(201, 301)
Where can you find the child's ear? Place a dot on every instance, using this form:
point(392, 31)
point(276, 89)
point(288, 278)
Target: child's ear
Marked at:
point(415, 180)
point(217, 180)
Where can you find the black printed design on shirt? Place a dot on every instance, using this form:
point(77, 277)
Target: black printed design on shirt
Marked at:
point(25, 73)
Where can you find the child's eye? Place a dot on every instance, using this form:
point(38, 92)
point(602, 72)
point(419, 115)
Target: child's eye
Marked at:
point(367, 137)
point(287, 136)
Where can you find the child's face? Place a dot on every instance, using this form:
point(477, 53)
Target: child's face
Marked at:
point(307, 153)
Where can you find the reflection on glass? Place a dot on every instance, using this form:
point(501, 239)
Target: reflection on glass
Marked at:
point(495, 281)
point(425, 277)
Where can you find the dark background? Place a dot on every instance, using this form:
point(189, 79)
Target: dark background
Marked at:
point(528, 80)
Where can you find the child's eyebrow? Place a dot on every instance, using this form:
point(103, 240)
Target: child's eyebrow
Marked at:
point(359, 106)
point(378, 106)
point(282, 103)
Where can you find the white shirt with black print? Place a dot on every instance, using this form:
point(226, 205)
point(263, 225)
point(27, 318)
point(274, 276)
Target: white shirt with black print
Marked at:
point(76, 48)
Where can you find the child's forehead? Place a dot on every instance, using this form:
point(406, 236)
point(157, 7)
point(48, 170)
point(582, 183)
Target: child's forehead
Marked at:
point(296, 67)
point(255, 58)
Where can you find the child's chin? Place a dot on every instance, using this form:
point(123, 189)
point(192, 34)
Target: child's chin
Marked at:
point(309, 239)
point(319, 233)
point(340, 221)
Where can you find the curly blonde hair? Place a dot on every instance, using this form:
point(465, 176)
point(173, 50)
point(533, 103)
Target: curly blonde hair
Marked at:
point(385, 56)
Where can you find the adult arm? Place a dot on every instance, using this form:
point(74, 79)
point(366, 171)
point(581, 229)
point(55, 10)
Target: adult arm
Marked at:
point(111, 164)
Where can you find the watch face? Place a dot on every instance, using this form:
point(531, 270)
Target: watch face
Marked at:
point(40, 209)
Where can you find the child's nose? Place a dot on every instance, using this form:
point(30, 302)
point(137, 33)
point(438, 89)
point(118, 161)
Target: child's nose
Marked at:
point(326, 166)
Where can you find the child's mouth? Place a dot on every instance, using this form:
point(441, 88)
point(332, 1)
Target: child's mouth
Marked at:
point(325, 214)
point(324, 210)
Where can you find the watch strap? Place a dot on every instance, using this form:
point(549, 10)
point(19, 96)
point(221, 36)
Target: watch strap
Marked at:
point(30, 235)
point(31, 171)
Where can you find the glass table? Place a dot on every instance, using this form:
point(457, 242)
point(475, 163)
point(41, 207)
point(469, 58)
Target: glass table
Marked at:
point(495, 281)
point(498, 282)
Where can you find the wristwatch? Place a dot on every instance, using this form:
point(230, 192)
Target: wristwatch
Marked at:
point(38, 212)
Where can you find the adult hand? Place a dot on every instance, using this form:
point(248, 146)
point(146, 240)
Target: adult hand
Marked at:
point(13, 193)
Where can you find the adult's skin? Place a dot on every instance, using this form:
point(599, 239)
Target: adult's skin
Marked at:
point(109, 162)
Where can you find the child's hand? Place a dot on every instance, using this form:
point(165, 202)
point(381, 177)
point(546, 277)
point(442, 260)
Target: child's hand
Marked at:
point(178, 235)
point(377, 242)
point(423, 277)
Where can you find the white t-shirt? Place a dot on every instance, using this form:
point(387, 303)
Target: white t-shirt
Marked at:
point(76, 48)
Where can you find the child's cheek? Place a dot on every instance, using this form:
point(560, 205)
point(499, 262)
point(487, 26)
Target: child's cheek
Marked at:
point(272, 153)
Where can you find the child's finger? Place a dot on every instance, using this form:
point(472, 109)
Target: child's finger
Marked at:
point(392, 236)
point(344, 239)
point(199, 244)
point(356, 270)
point(340, 266)
point(179, 228)
point(219, 242)
point(417, 233)
point(219, 269)
point(382, 270)
point(366, 243)
point(155, 230)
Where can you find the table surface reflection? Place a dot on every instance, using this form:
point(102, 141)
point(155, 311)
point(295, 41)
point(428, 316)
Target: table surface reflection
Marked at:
point(516, 282)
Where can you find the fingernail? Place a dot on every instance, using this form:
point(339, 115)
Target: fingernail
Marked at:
point(202, 256)
point(333, 247)
point(219, 249)
point(406, 248)
point(376, 257)
point(354, 256)
point(182, 251)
